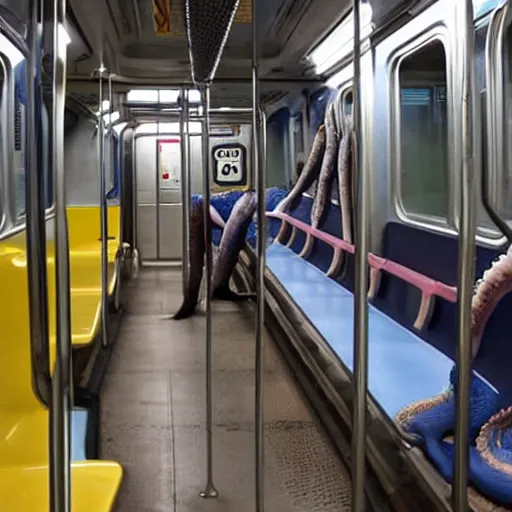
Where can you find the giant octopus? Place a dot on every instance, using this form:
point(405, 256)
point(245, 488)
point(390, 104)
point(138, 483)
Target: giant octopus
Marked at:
point(431, 421)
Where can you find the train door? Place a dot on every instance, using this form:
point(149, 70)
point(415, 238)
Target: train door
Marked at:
point(159, 185)
point(158, 171)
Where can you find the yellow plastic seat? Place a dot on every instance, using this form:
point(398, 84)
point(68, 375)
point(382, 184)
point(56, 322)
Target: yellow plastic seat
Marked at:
point(94, 486)
point(23, 420)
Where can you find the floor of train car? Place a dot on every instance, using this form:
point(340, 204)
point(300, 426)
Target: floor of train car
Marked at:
point(153, 413)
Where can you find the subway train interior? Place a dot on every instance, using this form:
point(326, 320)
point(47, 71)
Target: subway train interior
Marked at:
point(255, 255)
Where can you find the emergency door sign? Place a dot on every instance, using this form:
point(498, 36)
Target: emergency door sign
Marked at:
point(169, 164)
point(229, 164)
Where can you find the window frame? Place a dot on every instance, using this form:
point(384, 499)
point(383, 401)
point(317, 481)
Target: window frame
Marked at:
point(496, 124)
point(437, 33)
point(4, 145)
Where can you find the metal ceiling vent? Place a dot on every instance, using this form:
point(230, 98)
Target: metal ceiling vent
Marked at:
point(208, 26)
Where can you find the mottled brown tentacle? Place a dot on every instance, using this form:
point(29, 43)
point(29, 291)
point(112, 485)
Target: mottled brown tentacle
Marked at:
point(345, 179)
point(196, 255)
point(309, 174)
point(327, 169)
point(490, 432)
point(233, 240)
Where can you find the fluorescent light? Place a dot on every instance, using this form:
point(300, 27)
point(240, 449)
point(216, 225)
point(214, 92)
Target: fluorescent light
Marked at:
point(339, 43)
point(341, 76)
point(169, 95)
point(142, 96)
point(225, 109)
point(12, 53)
point(64, 35)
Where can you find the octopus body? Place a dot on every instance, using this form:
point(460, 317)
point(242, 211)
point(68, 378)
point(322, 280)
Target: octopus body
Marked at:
point(433, 418)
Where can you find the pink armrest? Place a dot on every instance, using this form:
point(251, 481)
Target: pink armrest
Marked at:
point(333, 241)
point(429, 287)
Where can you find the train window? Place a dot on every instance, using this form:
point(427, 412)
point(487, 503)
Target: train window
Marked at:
point(423, 156)
point(20, 102)
point(348, 102)
point(46, 155)
point(3, 73)
point(505, 185)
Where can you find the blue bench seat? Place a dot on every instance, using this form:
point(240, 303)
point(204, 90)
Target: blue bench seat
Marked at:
point(403, 368)
point(79, 421)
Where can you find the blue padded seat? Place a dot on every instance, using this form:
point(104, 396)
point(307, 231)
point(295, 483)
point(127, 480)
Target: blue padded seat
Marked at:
point(403, 368)
point(435, 255)
point(79, 420)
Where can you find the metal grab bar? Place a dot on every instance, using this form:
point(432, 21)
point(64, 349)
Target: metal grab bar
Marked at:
point(259, 168)
point(210, 491)
point(35, 217)
point(466, 270)
point(103, 201)
point(60, 412)
point(185, 190)
point(360, 299)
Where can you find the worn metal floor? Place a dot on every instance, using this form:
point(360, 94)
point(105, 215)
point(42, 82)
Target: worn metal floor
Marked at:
point(153, 414)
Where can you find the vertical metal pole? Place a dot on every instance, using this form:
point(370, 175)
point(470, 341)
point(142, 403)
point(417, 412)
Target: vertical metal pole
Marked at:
point(466, 265)
point(157, 197)
point(103, 212)
point(184, 234)
point(122, 205)
point(210, 491)
point(134, 192)
point(35, 208)
point(60, 420)
point(259, 168)
point(185, 192)
point(189, 160)
point(360, 299)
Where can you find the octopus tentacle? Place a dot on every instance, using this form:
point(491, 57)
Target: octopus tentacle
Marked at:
point(232, 241)
point(345, 178)
point(490, 442)
point(327, 169)
point(309, 174)
point(495, 283)
point(325, 179)
point(196, 257)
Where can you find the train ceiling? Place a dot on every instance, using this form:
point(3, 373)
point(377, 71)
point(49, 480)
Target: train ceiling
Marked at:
point(147, 38)
point(144, 42)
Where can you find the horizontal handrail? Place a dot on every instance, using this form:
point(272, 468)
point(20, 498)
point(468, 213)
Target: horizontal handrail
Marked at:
point(333, 241)
point(429, 287)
